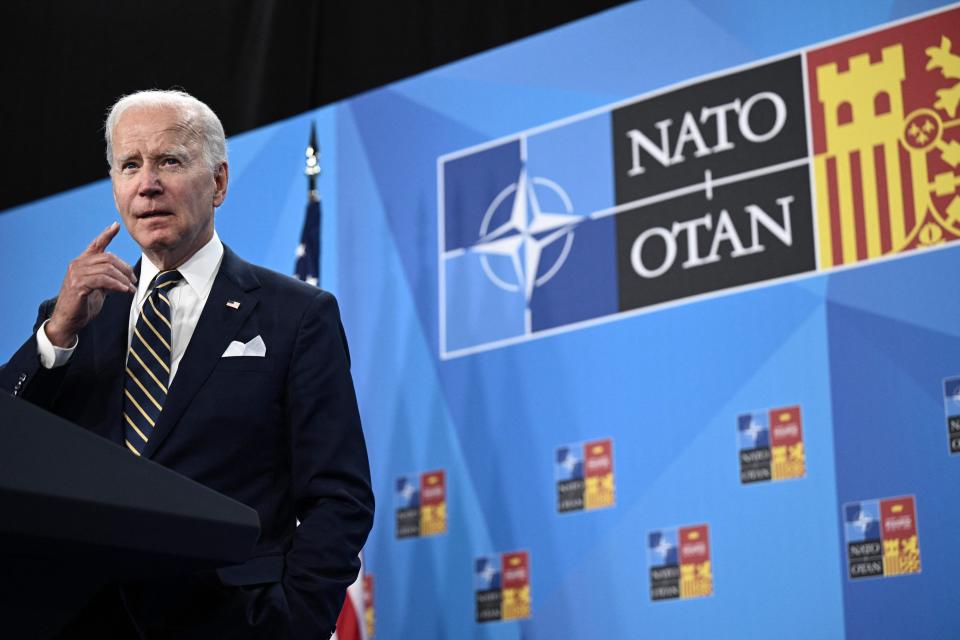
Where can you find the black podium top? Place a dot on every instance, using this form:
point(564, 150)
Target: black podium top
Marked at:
point(77, 499)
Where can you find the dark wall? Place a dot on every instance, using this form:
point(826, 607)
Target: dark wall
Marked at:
point(253, 61)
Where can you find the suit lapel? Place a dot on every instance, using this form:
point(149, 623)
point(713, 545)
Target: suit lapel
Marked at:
point(109, 339)
point(216, 328)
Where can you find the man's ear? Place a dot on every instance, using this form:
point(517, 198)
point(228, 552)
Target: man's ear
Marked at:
point(220, 178)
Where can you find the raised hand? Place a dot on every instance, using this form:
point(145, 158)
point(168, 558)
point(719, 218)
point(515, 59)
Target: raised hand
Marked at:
point(89, 276)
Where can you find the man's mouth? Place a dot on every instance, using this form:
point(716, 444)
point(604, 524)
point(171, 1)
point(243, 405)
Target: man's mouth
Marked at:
point(153, 214)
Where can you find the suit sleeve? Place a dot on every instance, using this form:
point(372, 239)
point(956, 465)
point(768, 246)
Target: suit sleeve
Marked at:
point(330, 473)
point(24, 376)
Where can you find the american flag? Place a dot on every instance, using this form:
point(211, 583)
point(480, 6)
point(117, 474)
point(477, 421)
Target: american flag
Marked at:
point(307, 267)
point(350, 623)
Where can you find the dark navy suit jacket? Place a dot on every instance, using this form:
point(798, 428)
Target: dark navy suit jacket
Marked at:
point(279, 433)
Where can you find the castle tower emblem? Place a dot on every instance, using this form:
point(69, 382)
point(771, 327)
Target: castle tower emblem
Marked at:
point(887, 141)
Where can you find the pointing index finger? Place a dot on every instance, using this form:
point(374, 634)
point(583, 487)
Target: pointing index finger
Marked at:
point(100, 243)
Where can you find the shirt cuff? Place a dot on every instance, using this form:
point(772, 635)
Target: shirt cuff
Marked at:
point(52, 356)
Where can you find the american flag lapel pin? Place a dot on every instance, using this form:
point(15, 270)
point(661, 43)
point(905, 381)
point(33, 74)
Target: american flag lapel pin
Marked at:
point(233, 304)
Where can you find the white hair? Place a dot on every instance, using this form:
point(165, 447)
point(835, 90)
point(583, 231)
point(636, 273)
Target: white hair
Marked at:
point(199, 115)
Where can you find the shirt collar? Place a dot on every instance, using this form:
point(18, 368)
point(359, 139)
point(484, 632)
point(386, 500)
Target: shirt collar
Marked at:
point(198, 271)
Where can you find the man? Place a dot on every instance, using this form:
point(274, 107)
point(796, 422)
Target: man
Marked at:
point(228, 373)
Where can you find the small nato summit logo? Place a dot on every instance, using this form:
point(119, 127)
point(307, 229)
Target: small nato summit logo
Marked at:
point(882, 537)
point(421, 504)
point(502, 586)
point(951, 406)
point(771, 445)
point(679, 562)
point(584, 476)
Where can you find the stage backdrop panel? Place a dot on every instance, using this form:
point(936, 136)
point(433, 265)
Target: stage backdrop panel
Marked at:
point(649, 316)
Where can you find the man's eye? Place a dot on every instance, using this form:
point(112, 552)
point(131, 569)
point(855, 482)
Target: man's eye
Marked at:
point(126, 166)
point(170, 162)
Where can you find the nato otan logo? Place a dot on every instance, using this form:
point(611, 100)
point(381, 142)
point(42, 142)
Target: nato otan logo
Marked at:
point(421, 504)
point(697, 189)
point(951, 406)
point(771, 445)
point(679, 562)
point(584, 476)
point(703, 187)
point(882, 537)
point(502, 586)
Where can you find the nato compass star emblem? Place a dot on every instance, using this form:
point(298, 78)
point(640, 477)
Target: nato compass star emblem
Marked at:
point(663, 548)
point(863, 522)
point(487, 573)
point(407, 491)
point(753, 431)
point(526, 234)
point(569, 463)
point(954, 394)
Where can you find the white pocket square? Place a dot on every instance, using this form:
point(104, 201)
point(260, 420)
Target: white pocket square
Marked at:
point(255, 348)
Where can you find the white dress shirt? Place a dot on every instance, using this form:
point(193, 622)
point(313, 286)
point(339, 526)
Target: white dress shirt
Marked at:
point(187, 299)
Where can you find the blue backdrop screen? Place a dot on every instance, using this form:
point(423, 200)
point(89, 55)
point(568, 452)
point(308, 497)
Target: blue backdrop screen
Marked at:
point(647, 317)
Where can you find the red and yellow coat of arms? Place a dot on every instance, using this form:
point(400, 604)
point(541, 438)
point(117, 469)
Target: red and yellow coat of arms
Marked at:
point(886, 140)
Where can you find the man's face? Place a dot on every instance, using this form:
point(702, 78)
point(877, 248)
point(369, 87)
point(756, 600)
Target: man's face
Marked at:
point(163, 189)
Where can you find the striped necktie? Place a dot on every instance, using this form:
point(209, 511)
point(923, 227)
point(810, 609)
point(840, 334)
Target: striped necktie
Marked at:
point(148, 363)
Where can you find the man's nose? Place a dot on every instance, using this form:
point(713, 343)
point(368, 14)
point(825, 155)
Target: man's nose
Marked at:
point(149, 181)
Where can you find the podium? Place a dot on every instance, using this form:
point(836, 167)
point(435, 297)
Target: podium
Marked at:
point(78, 512)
